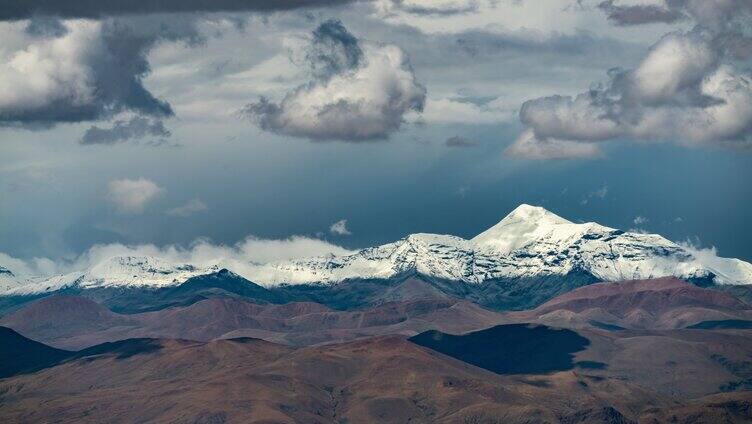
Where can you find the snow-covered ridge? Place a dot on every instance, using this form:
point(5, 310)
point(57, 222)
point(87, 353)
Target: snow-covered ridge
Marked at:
point(131, 271)
point(8, 280)
point(530, 242)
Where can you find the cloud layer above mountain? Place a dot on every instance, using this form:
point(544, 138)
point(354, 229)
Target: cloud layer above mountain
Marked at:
point(93, 92)
point(241, 257)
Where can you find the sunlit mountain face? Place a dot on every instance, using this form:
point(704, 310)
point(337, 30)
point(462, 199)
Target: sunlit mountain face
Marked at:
point(331, 211)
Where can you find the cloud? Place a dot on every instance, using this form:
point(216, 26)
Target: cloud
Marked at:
point(708, 13)
point(640, 220)
point(458, 141)
point(340, 228)
point(637, 14)
point(528, 146)
point(137, 127)
point(460, 111)
point(91, 70)
point(243, 257)
point(359, 92)
point(600, 193)
point(45, 26)
point(132, 196)
point(427, 7)
point(686, 90)
point(333, 50)
point(32, 267)
point(193, 207)
point(25, 9)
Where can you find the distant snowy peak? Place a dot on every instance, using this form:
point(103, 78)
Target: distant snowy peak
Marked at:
point(528, 243)
point(522, 226)
point(141, 270)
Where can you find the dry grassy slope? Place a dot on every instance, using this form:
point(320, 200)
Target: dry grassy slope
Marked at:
point(380, 379)
point(75, 323)
point(664, 303)
point(383, 379)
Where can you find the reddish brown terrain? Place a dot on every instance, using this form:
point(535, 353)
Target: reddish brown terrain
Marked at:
point(69, 322)
point(664, 303)
point(382, 379)
point(639, 362)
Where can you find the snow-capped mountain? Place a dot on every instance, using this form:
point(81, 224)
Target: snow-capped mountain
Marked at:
point(131, 271)
point(8, 280)
point(529, 243)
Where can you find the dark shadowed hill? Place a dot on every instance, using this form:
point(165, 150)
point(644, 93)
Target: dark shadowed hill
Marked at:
point(509, 349)
point(19, 354)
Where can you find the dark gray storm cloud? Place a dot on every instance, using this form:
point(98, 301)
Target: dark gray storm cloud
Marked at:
point(136, 128)
point(709, 13)
point(46, 26)
point(93, 70)
point(640, 14)
point(359, 91)
point(25, 9)
point(333, 50)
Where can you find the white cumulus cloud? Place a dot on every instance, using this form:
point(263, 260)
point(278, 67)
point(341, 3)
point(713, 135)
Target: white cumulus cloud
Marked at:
point(687, 90)
point(340, 228)
point(192, 207)
point(132, 196)
point(360, 91)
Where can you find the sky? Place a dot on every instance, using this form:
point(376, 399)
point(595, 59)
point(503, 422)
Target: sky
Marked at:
point(329, 125)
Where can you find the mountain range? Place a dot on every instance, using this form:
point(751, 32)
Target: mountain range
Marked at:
point(537, 319)
point(530, 256)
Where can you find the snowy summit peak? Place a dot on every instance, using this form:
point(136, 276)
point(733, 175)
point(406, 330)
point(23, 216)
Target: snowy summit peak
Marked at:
point(537, 214)
point(518, 228)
